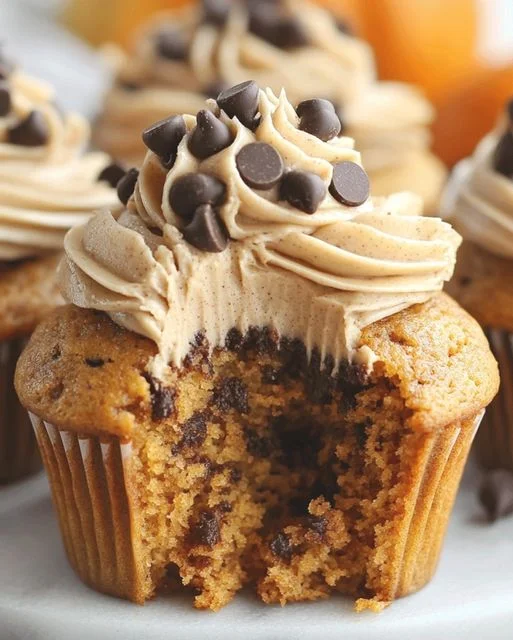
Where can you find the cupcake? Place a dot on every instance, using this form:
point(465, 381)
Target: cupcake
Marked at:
point(181, 56)
point(258, 379)
point(47, 184)
point(479, 200)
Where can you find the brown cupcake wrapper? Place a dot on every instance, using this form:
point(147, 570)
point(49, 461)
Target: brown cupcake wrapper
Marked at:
point(19, 455)
point(494, 443)
point(98, 513)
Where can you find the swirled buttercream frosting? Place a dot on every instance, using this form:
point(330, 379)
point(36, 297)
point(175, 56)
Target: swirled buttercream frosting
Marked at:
point(48, 183)
point(182, 56)
point(267, 223)
point(479, 196)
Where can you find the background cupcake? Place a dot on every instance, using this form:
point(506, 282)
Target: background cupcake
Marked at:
point(259, 380)
point(47, 185)
point(182, 56)
point(479, 201)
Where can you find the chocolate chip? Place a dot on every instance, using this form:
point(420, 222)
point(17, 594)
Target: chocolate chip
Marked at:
point(95, 363)
point(112, 174)
point(318, 524)
point(319, 118)
point(304, 191)
point(216, 11)
point(206, 530)
point(496, 494)
point(209, 136)
point(162, 399)
point(194, 189)
point(350, 184)
point(260, 165)
point(32, 131)
point(213, 90)
point(231, 393)
point(163, 138)
point(269, 21)
point(206, 231)
point(257, 446)
point(503, 155)
point(270, 375)
point(281, 547)
point(126, 186)
point(171, 45)
point(241, 102)
point(5, 99)
point(194, 431)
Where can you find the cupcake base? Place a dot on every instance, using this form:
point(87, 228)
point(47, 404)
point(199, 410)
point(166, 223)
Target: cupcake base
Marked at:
point(19, 456)
point(95, 496)
point(494, 443)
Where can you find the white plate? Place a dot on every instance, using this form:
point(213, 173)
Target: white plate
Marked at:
point(470, 598)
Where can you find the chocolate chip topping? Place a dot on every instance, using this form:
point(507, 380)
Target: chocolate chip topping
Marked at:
point(171, 45)
point(260, 165)
point(206, 231)
point(503, 155)
point(163, 138)
point(319, 118)
point(241, 102)
point(32, 131)
point(271, 22)
point(112, 174)
point(5, 99)
point(194, 189)
point(350, 184)
point(496, 494)
point(126, 186)
point(213, 90)
point(209, 136)
point(216, 11)
point(303, 190)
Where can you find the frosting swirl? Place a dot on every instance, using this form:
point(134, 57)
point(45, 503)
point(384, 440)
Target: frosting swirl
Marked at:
point(479, 200)
point(47, 183)
point(318, 277)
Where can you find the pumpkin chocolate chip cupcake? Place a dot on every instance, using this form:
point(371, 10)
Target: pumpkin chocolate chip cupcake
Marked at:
point(479, 199)
point(47, 185)
point(183, 55)
point(258, 379)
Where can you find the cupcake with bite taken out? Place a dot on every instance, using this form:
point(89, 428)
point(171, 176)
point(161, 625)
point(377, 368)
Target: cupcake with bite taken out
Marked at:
point(47, 184)
point(181, 56)
point(479, 201)
point(258, 379)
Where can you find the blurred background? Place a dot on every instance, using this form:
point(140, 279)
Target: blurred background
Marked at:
point(460, 52)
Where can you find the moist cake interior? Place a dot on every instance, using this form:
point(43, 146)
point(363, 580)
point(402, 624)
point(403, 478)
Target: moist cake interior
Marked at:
point(261, 465)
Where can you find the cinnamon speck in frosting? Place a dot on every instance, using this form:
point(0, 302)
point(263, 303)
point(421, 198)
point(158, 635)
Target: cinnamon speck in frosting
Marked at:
point(256, 221)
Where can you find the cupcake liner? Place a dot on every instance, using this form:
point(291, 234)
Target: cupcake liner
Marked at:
point(98, 510)
point(90, 481)
point(19, 456)
point(494, 443)
point(433, 494)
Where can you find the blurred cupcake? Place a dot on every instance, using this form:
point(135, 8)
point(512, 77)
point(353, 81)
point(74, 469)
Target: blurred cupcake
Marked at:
point(479, 201)
point(47, 185)
point(259, 379)
point(182, 56)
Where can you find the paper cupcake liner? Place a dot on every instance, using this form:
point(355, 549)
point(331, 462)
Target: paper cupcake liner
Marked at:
point(494, 443)
point(18, 449)
point(98, 511)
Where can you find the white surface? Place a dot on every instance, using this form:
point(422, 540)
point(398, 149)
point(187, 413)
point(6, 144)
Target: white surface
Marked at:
point(471, 597)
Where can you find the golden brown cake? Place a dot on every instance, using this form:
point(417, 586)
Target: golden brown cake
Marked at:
point(47, 184)
point(183, 55)
point(258, 380)
point(479, 200)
